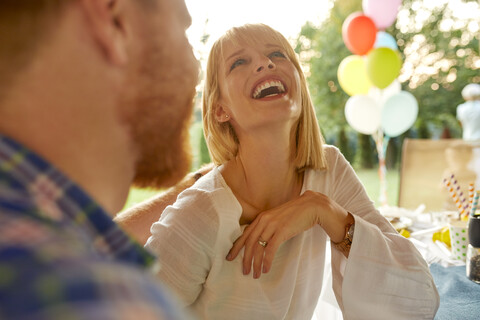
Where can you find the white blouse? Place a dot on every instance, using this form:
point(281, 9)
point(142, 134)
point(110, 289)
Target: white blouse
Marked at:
point(384, 277)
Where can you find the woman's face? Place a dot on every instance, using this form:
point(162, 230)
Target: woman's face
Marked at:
point(259, 86)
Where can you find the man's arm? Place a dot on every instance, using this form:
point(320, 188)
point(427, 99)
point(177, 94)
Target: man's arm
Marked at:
point(136, 221)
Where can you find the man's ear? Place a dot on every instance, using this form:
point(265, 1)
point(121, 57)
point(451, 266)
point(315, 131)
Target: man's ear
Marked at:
point(107, 24)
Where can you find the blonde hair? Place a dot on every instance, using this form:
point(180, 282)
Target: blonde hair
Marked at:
point(306, 139)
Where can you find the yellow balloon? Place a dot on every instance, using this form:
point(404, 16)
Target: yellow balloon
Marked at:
point(352, 76)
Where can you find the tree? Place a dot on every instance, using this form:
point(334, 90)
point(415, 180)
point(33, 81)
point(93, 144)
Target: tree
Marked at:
point(441, 56)
point(321, 49)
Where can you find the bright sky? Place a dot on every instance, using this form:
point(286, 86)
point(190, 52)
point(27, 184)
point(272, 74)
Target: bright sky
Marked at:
point(286, 16)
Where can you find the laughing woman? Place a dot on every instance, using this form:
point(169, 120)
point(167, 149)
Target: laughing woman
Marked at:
point(248, 240)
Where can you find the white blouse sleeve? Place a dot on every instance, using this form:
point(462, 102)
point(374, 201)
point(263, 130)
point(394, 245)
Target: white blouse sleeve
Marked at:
point(184, 240)
point(384, 277)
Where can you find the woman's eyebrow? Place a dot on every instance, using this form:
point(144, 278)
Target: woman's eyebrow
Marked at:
point(235, 54)
point(271, 45)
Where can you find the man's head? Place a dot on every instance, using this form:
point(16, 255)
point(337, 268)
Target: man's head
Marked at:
point(471, 92)
point(158, 104)
point(142, 46)
point(24, 26)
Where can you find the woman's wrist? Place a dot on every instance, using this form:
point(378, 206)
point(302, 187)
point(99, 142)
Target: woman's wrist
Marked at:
point(345, 244)
point(337, 223)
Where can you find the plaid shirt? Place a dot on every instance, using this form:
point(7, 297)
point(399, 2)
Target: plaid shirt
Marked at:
point(61, 255)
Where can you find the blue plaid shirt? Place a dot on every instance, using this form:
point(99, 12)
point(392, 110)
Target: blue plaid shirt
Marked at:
point(61, 255)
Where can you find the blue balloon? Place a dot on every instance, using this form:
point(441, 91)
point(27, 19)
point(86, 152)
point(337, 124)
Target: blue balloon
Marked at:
point(399, 113)
point(385, 40)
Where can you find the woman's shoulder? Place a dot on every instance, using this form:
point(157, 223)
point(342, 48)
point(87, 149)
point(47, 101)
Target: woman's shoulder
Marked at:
point(210, 187)
point(332, 157)
point(207, 197)
point(210, 182)
point(331, 151)
point(335, 162)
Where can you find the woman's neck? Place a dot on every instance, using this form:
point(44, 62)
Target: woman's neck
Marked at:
point(262, 176)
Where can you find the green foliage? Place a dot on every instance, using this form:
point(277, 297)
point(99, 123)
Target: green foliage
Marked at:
point(322, 49)
point(204, 155)
point(422, 129)
point(366, 153)
point(440, 61)
point(344, 145)
point(392, 156)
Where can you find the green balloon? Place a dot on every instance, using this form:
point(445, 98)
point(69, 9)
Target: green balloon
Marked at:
point(383, 66)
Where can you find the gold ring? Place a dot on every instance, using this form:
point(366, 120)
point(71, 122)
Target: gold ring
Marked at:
point(262, 242)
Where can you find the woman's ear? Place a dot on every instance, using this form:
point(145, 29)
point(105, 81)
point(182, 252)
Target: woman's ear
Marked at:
point(108, 25)
point(221, 114)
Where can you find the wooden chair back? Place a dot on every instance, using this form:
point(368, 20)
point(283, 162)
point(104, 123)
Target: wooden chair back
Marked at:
point(426, 163)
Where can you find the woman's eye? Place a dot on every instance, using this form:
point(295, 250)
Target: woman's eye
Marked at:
point(237, 63)
point(276, 54)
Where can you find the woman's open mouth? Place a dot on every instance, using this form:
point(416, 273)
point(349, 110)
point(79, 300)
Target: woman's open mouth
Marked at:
point(268, 88)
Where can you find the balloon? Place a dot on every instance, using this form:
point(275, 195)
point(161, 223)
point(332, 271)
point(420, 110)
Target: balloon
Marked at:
point(384, 39)
point(381, 95)
point(382, 12)
point(352, 75)
point(399, 113)
point(383, 66)
point(363, 114)
point(359, 32)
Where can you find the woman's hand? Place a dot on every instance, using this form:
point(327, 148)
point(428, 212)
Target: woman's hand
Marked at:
point(271, 228)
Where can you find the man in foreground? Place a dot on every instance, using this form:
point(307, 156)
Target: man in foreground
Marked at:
point(94, 94)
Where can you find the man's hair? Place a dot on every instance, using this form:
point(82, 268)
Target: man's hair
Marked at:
point(222, 141)
point(24, 26)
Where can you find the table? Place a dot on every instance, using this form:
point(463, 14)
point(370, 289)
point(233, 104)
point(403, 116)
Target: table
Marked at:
point(459, 297)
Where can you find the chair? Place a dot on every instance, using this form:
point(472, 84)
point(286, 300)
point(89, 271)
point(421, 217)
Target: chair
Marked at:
point(425, 163)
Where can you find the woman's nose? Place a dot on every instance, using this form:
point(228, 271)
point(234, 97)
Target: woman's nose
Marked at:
point(264, 63)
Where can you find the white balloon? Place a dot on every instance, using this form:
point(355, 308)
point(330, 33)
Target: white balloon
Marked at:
point(399, 113)
point(362, 114)
point(382, 95)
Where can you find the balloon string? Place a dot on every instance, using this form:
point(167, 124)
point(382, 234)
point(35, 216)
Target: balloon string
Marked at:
point(381, 142)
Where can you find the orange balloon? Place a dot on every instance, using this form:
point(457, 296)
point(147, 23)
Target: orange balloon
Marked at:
point(359, 33)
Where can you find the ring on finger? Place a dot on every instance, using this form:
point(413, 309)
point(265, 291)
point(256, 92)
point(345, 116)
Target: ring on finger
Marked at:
point(262, 242)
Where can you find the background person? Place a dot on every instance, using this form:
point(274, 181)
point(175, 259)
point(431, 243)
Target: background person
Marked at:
point(277, 195)
point(468, 113)
point(90, 99)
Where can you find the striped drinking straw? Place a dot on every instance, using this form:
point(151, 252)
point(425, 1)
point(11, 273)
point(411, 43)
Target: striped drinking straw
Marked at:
point(463, 200)
point(455, 197)
point(475, 204)
point(471, 193)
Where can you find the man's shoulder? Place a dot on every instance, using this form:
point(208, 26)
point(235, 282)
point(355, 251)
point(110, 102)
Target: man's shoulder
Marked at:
point(47, 274)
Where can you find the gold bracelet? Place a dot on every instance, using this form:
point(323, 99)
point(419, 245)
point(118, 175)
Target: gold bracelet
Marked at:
point(345, 245)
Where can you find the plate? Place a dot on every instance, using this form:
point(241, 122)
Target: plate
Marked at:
point(400, 223)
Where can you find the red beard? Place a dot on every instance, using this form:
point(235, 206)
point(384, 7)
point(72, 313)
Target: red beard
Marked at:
point(158, 111)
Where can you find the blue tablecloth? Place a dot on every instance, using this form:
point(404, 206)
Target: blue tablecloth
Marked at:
point(459, 297)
